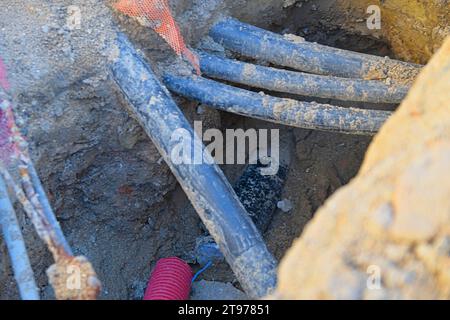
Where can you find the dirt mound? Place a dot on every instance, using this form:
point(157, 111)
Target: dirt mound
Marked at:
point(387, 233)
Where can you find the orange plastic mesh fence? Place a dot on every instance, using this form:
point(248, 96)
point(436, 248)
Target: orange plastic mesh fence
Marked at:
point(157, 15)
point(13, 147)
point(8, 147)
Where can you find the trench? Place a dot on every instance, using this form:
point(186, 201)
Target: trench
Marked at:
point(116, 199)
point(321, 162)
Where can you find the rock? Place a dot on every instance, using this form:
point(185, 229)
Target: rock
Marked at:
point(207, 250)
point(285, 205)
point(391, 224)
point(213, 290)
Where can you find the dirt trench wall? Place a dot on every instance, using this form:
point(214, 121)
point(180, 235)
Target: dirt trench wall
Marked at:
point(196, 15)
point(414, 29)
point(386, 235)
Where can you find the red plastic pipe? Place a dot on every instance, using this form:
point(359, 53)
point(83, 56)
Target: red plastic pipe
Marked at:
point(170, 280)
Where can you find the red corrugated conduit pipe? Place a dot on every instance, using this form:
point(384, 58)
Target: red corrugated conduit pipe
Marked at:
point(170, 280)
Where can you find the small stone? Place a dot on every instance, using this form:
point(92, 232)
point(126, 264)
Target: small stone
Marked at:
point(285, 205)
point(288, 3)
point(200, 109)
point(294, 38)
point(214, 290)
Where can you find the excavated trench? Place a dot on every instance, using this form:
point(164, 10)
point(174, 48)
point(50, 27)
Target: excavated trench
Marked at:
point(117, 201)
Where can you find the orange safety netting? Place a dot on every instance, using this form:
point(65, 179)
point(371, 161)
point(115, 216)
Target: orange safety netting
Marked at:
point(156, 14)
point(8, 147)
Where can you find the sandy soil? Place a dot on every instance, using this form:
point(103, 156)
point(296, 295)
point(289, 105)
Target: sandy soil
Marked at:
point(386, 234)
